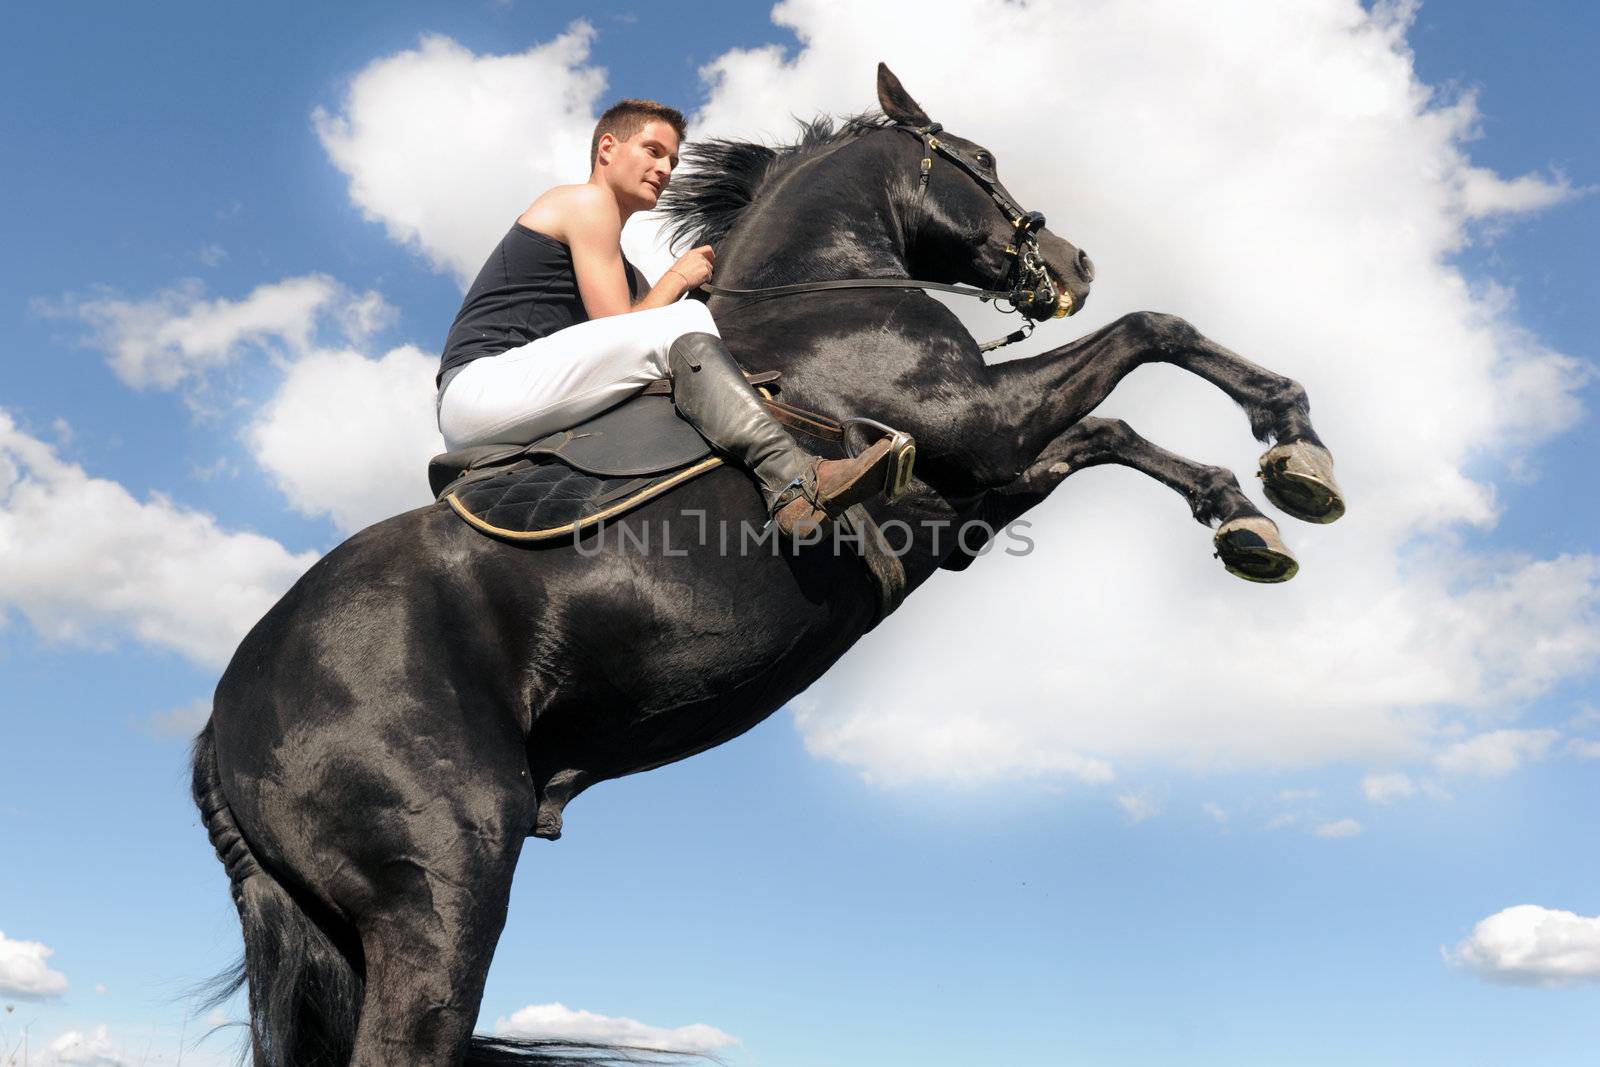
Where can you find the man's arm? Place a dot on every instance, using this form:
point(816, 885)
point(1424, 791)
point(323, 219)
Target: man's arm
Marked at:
point(594, 233)
point(669, 289)
point(692, 270)
point(586, 219)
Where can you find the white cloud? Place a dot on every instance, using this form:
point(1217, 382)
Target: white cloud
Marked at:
point(1584, 718)
point(375, 415)
point(1296, 192)
point(1339, 828)
point(1215, 810)
point(94, 1049)
point(181, 722)
point(446, 148)
point(1531, 945)
point(1387, 788)
point(1584, 749)
point(24, 972)
point(1139, 806)
point(1485, 194)
point(94, 1046)
point(1496, 752)
point(179, 334)
point(363, 315)
point(85, 561)
point(560, 1021)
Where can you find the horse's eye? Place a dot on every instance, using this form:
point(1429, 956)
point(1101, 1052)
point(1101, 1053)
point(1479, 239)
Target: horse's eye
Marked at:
point(984, 159)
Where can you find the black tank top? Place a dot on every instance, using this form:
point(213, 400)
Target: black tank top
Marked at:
point(525, 291)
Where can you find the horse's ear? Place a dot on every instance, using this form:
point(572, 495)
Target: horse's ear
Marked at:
point(896, 102)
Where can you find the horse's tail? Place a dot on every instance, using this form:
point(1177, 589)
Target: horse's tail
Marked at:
point(305, 995)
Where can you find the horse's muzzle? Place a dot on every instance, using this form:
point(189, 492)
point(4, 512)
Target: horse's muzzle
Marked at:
point(1085, 267)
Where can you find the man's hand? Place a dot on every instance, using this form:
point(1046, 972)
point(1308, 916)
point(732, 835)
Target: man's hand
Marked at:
point(694, 266)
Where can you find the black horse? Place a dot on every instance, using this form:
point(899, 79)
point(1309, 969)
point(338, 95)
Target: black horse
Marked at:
point(426, 697)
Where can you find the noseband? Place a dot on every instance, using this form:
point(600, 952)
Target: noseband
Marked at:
point(1032, 293)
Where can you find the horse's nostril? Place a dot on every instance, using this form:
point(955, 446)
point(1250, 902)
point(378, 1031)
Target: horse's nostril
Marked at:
point(1085, 266)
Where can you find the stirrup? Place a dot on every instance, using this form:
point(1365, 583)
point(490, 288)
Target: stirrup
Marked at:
point(902, 453)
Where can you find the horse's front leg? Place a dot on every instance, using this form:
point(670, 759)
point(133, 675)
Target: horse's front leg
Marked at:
point(1052, 391)
point(1246, 541)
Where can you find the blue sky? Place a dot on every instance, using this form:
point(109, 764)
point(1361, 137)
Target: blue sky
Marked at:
point(1203, 907)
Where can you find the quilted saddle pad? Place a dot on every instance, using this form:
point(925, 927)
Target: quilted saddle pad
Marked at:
point(541, 498)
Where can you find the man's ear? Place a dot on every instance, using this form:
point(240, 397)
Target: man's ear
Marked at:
point(607, 145)
point(896, 102)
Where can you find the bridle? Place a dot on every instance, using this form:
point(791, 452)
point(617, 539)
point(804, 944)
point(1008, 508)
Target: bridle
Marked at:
point(1032, 293)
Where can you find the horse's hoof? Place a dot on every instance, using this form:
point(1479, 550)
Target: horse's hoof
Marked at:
point(1250, 547)
point(1298, 478)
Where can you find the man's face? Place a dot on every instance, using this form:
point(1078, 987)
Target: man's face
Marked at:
point(638, 168)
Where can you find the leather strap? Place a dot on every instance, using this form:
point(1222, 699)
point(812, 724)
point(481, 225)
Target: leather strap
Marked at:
point(883, 566)
point(857, 283)
point(807, 422)
point(663, 386)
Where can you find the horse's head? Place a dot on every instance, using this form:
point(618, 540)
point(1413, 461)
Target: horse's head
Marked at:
point(964, 225)
point(871, 199)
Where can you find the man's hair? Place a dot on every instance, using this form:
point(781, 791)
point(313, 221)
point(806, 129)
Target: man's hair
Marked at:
point(627, 117)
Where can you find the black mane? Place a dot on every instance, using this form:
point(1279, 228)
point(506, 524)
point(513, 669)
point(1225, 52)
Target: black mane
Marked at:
point(724, 177)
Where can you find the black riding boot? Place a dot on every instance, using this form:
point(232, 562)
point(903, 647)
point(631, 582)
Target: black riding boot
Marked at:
point(801, 490)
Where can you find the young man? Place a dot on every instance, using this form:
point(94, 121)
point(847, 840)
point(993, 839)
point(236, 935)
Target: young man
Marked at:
point(558, 327)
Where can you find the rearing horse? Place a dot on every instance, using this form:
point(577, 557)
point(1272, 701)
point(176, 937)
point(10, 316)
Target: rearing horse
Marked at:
point(425, 697)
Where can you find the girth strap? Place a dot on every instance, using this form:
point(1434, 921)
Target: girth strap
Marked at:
point(888, 573)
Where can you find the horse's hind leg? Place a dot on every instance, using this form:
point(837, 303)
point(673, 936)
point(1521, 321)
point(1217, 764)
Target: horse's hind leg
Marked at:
point(429, 927)
point(427, 956)
point(1246, 541)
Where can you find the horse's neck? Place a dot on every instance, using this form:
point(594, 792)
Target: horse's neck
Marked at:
point(826, 219)
point(817, 221)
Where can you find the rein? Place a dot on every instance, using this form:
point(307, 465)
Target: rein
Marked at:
point(1032, 294)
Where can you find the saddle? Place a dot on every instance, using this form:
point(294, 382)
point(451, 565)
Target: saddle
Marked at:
point(569, 481)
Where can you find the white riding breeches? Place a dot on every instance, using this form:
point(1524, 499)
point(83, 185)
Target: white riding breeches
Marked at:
point(559, 381)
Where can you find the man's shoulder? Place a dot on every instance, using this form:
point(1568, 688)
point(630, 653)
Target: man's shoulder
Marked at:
point(582, 193)
point(568, 208)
